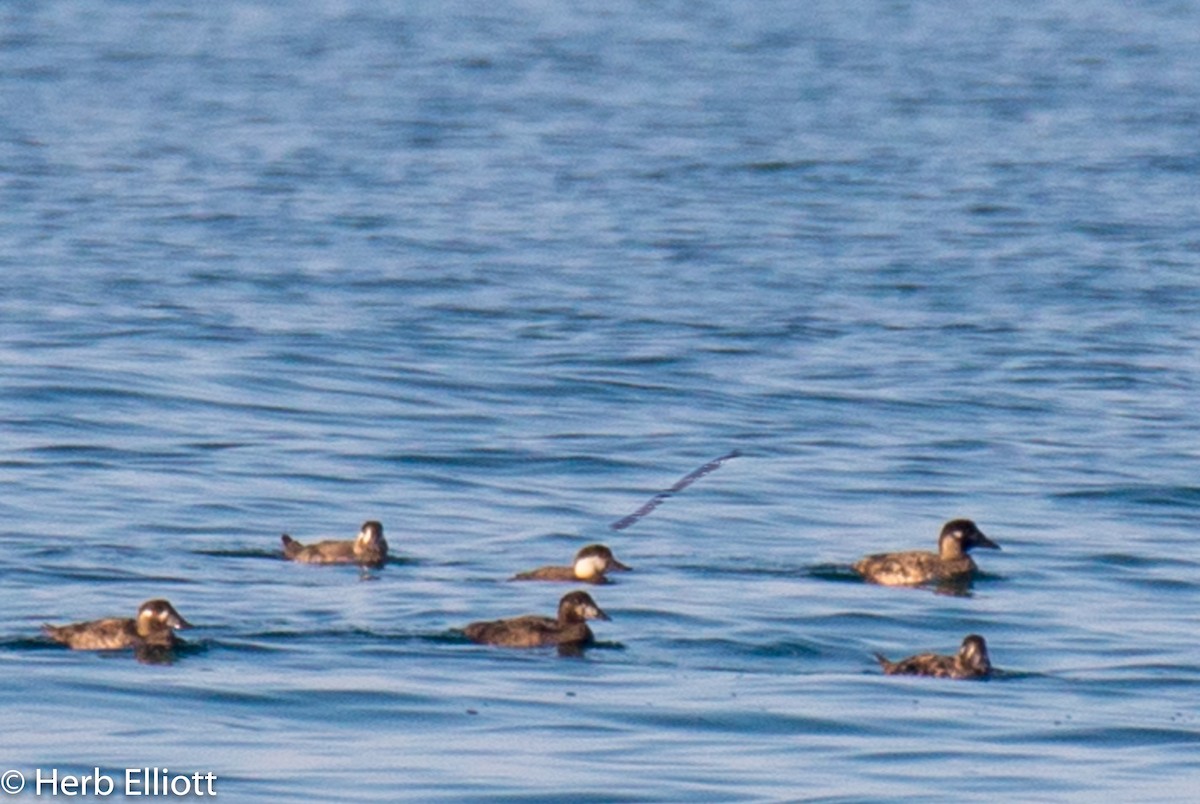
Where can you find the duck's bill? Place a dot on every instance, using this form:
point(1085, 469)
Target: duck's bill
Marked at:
point(597, 613)
point(984, 541)
point(617, 565)
point(179, 624)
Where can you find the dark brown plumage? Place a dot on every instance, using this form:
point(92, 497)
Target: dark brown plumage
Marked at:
point(971, 661)
point(154, 626)
point(949, 565)
point(531, 631)
point(369, 549)
point(590, 564)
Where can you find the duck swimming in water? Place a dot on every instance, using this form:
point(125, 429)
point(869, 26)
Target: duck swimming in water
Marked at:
point(369, 549)
point(569, 631)
point(971, 662)
point(154, 627)
point(590, 564)
point(949, 565)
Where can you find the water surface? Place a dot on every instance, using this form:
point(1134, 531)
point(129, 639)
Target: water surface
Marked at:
point(497, 276)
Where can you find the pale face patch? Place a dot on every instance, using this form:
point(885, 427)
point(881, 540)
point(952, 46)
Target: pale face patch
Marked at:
point(589, 567)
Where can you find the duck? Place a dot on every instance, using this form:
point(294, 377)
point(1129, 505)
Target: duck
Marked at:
point(590, 564)
point(369, 548)
point(971, 661)
point(568, 631)
point(949, 565)
point(153, 627)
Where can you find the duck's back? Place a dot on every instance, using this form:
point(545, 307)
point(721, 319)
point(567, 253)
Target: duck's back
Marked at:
point(925, 664)
point(547, 574)
point(913, 567)
point(932, 665)
point(530, 631)
point(113, 633)
point(330, 552)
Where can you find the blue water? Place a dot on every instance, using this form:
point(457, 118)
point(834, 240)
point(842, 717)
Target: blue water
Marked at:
point(495, 275)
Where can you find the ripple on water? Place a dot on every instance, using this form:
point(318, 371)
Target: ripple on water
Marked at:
point(499, 277)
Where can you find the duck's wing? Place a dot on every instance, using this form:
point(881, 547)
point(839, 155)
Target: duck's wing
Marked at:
point(109, 634)
point(924, 664)
point(546, 574)
point(898, 569)
point(334, 550)
point(328, 552)
point(520, 632)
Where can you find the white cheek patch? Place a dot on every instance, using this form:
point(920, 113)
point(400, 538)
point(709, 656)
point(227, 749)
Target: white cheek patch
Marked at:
point(589, 567)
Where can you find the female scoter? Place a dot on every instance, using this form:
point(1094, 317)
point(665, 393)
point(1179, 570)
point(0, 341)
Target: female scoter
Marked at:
point(154, 627)
point(970, 662)
point(950, 564)
point(369, 549)
point(569, 631)
point(590, 564)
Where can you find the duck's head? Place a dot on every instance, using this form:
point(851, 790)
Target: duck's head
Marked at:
point(594, 560)
point(973, 655)
point(960, 536)
point(575, 607)
point(370, 535)
point(157, 614)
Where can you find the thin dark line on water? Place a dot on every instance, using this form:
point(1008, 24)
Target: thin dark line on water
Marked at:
point(680, 485)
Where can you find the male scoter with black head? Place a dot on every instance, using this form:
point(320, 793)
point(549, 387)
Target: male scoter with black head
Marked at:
point(590, 564)
point(950, 564)
point(368, 549)
point(154, 627)
point(971, 661)
point(569, 631)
